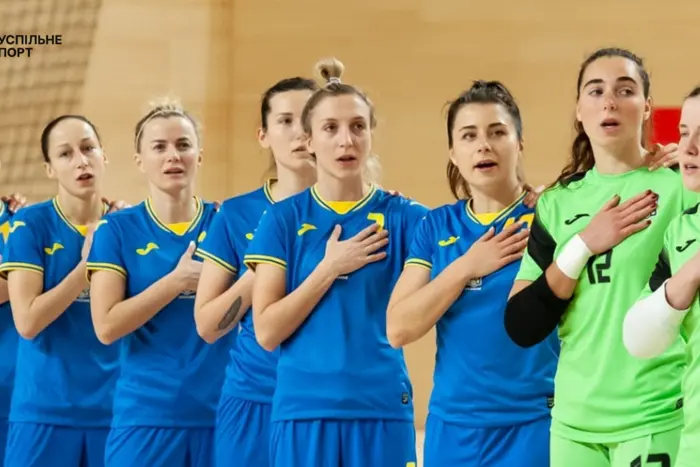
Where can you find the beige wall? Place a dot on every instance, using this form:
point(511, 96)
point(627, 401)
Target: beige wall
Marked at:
point(411, 56)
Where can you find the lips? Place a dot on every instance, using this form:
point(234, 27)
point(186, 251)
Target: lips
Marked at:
point(174, 171)
point(485, 164)
point(610, 123)
point(347, 158)
point(85, 176)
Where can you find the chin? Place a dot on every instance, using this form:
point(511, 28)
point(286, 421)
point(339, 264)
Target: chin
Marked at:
point(692, 183)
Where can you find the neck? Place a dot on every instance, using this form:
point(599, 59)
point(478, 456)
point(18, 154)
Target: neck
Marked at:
point(620, 159)
point(172, 208)
point(81, 211)
point(333, 189)
point(495, 199)
point(289, 183)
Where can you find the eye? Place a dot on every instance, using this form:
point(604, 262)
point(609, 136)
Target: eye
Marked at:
point(286, 121)
point(63, 154)
point(595, 92)
point(89, 148)
point(159, 147)
point(184, 145)
point(468, 136)
point(684, 134)
point(500, 132)
point(359, 126)
point(329, 127)
point(627, 92)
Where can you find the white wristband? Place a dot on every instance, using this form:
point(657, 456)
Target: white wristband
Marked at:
point(658, 301)
point(573, 257)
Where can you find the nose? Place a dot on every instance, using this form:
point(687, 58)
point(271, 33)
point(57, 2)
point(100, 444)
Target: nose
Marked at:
point(82, 159)
point(345, 136)
point(609, 101)
point(692, 147)
point(484, 146)
point(172, 154)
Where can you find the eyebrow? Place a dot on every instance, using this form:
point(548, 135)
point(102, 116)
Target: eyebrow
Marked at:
point(473, 127)
point(82, 140)
point(160, 140)
point(621, 79)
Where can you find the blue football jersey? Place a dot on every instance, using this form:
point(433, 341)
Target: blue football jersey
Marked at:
point(481, 379)
point(8, 334)
point(251, 371)
point(67, 376)
point(169, 377)
point(339, 363)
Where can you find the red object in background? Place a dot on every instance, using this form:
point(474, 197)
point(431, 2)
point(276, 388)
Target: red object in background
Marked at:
point(664, 123)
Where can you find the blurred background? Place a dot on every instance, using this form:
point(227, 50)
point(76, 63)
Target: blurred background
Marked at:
point(410, 56)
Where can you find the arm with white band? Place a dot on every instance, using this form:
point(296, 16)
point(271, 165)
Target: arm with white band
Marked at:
point(535, 311)
point(652, 324)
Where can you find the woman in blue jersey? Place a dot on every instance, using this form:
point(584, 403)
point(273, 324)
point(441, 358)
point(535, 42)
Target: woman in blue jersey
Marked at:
point(324, 262)
point(490, 398)
point(8, 333)
point(62, 401)
point(225, 289)
point(143, 276)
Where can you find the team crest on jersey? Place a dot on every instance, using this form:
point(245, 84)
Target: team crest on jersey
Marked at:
point(187, 294)
point(84, 295)
point(474, 284)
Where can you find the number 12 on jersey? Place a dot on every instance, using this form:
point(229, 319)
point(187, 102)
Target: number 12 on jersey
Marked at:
point(597, 268)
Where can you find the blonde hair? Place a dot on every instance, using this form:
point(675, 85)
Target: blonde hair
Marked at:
point(164, 107)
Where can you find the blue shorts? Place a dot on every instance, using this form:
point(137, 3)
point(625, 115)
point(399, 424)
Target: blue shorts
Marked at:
point(160, 447)
point(32, 444)
point(350, 443)
point(242, 433)
point(450, 444)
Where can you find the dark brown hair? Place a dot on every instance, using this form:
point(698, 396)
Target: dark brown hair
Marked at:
point(166, 108)
point(46, 133)
point(694, 93)
point(582, 158)
point(280, 87)
point(481, 92)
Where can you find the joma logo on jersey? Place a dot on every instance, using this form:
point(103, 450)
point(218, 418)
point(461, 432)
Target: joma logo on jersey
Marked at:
point(144, 251)
point(53, 249)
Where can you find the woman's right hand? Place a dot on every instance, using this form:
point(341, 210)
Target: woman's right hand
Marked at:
point(349, 255)
point(492, 252)
point(188, 269)
point(615, 222)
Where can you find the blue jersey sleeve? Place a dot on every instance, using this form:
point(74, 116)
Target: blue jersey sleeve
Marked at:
point(414, 213)
point(218, 246)
point(268, 245)
point(421, 251)
point(23, 249)
point(105, 253)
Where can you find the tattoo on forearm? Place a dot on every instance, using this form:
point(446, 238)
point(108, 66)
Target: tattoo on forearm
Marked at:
point(231, 315)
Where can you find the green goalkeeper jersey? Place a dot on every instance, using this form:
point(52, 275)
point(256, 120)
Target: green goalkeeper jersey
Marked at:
point(603, 394)
point(681, 243)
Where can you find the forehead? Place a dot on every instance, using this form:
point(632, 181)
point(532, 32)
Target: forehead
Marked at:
point(71, 131)
point(610, 69)
point(289, 101)
point(172, 127)
point(481, 114)
point(690, 113)
point(345, 106)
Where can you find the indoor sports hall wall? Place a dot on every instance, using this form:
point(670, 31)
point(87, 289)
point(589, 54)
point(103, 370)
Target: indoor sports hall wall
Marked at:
point(411, 56)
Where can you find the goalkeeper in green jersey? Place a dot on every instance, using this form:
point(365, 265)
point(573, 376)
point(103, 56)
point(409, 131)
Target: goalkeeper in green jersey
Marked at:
point(593, 244)
point(669, 304)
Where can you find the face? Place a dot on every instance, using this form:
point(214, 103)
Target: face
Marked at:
point(611, 105)
point(284, 135)
point(485, 146)
point(689, 144)
point(170, 153)
point(76, 159)
point(341, 136)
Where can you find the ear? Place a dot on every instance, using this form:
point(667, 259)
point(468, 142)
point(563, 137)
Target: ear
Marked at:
point(452, 157)
point(578, 112)
point(50, 172)
point(309, 145)
point(647, 108)
point(200, 157)
point(262, 139)
point(105, 158)
point(139, 162)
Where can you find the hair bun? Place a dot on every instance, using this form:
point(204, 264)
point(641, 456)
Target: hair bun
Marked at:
point(330, 70)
